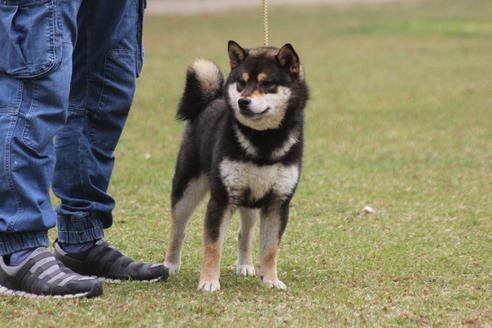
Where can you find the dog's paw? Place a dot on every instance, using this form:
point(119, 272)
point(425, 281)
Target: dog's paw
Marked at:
point(172, 267)
point(209, 286)
point(245, 270)
point(277, 284)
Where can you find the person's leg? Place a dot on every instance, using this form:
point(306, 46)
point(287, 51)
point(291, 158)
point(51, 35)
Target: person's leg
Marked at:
point(107, 60)
point(36, 40)
point(36, 50)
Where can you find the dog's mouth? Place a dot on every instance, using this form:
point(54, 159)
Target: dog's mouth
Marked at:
point(252, 115)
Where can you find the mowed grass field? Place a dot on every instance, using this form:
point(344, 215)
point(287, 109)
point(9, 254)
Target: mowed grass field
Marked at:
point(400, 119)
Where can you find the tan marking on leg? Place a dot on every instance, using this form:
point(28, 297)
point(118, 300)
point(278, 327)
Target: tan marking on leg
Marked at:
point(210, 272)
point(269, 247)
point(269, 262)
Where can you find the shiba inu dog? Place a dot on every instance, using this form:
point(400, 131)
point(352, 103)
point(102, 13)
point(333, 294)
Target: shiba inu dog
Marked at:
point(242, 142)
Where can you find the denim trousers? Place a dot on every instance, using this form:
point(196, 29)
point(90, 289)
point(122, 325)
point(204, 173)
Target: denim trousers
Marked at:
point(67, 80)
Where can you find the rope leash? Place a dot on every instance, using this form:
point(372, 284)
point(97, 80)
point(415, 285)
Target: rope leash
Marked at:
point(265, 22)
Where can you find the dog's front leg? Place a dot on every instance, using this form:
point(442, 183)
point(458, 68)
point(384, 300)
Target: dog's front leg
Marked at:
point(245, 266)
point(216, 223)
point(273, 222)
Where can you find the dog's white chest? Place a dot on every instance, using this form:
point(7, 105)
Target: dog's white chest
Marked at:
point(258, 180)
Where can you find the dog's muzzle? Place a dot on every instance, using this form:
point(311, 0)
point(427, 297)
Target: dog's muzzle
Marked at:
point(245, 110)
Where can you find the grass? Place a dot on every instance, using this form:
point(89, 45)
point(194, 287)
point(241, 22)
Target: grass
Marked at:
point(400, 119)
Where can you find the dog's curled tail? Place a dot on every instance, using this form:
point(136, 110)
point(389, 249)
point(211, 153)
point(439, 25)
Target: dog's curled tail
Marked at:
point(204, 82)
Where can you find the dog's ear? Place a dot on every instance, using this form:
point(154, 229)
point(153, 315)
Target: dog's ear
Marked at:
point(288, 59)
point(236, 54)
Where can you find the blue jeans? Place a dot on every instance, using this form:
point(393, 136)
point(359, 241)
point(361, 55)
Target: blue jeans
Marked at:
point(67, 80)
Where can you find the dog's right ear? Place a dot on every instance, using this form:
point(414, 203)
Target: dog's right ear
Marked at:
point(236, 54)
point(288, 59)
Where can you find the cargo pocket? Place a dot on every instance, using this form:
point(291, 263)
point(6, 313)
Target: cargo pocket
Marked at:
point(106, 122)
point(30, 43)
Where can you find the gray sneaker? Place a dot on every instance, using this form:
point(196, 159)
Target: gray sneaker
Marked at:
point(108, 263)
point(40, 275)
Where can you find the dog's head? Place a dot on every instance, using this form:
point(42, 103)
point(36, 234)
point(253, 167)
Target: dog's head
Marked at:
point(266, 86)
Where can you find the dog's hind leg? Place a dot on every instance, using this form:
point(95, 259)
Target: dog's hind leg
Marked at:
point(272, 225)
point(184, 203)
point(249, 217)
point(216, 223)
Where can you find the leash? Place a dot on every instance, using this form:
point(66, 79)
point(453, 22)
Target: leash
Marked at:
point(265, 22)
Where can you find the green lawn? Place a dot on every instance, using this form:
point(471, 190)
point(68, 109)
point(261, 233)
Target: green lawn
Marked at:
point(400, 119)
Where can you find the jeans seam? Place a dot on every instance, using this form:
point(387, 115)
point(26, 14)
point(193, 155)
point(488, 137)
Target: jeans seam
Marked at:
point(85, 118)
point(8, 157)
point(52, 32)
point(139, 49)
point(28, 118)
point(24, 3)
point(81, 165)
point(100, 103)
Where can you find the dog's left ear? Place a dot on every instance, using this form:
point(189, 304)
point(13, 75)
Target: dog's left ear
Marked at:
point(288, 59)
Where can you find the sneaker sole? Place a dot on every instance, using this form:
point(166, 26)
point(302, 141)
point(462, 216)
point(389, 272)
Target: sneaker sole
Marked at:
point(119, 281)
point(9, 292)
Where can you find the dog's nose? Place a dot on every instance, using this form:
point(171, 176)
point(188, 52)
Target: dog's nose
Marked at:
point(244, 103)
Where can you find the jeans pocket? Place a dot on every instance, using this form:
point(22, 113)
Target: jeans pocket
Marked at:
point(29, 38)
point(106, 122)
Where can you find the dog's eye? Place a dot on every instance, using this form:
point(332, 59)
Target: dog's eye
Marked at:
point(269, 86)
point(240, 85)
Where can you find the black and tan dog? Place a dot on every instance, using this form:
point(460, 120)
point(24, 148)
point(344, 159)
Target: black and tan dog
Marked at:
point(243, 142)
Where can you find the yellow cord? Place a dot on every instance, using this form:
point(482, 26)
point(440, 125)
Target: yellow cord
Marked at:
point(265, 21)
